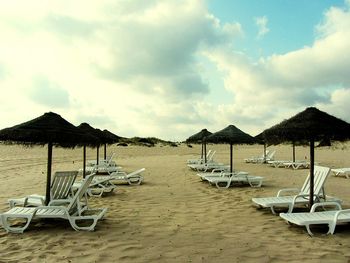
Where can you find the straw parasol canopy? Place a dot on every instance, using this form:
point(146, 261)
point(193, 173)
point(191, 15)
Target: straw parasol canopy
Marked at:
point(85, 127)
point(50, 129)
point(199, 138)
point(311, 125)
point(232, 135)
point(111, 139)
point(261, 140)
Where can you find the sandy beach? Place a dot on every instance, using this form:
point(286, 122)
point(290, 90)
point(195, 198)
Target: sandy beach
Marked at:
point(173, 216)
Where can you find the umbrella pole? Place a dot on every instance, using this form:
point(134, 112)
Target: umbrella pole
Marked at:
point(293, 152)
point(105, 151)
point(205, 152)
point(48, 180)
point(264, 152)
point(84, 161)
point(97, 154)
point(312, 161)
point(202, 151)
point(231, 159)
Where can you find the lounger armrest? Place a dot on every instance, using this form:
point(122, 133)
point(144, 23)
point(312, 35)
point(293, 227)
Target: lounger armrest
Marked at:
point(28, 198)
point(226, 174)
point(282, 191)
point(118, 173)
point(58, 202)
point(216, 170)
point(333, 224)
point(304, 195)
point(344, 211)
point(35, 197)
point(335, 204)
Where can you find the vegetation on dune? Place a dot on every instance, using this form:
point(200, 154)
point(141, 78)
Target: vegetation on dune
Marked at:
point(148, 142)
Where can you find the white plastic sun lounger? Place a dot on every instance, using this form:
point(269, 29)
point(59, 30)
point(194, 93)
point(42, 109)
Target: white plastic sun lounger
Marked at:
point(297, 165)
point(301, 196)
point(208, 167)
point(210, 159)
point(134, 178)
point(330, 218)
point(107, 162)
point(200, 160)
point(215, 172)
point(71, 210)
point(218, 173)
point(277, 163)
point(240, 178)
point(61, 188)
point(342, 172)
point(100, 185)
point(101, 169)
point(269, 157)
point(254, 158)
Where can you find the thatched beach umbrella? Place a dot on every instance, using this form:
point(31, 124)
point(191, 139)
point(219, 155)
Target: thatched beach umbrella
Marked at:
point(260, 139)
point(311, 125)
point(50, 129)
point(110, 139)
point(200, 137)
point(96, 133)
point(232, 135)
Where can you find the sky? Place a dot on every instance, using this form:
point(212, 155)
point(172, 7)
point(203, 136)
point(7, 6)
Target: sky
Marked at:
point(169, 68)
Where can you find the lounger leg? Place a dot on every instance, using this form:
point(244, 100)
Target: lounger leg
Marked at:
point(91, 192)
point(135, 181)
point(226, 186)
point(255, 184)
point(99, 215)
point(308, 230)
point(9, 228)
point(273, 210)
point(290, 208)
point(331, 228)
point(74, 225)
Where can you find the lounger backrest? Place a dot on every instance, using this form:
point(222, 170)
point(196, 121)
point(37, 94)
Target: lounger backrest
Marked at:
point(110, 159)
point(79, 194)
point(208, 154)
point(270, 155)
point(210, 158)
point(62, 183)
point(100, 179)
point(136, 172)
point(320, 175)
point(265, 154)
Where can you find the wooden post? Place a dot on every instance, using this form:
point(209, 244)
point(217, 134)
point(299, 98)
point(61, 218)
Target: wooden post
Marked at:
point(231, 159)
point(205, 152)
point(48, 180)
point(97, 154)
point(312, 161)
point(105, 151)
point(202, 150)
point(293, 151)
point(84, 161)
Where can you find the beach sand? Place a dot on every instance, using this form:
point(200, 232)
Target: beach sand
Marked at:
point(173, 216)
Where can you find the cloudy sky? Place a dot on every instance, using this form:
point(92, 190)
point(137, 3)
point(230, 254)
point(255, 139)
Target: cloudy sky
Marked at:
point(168, 68)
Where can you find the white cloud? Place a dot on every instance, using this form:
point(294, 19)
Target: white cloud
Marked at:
point(276, 87)
point(135, 67)
point(107, 60)
point(261, 23)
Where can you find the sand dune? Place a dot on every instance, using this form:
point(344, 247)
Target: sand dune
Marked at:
point(173, 216)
